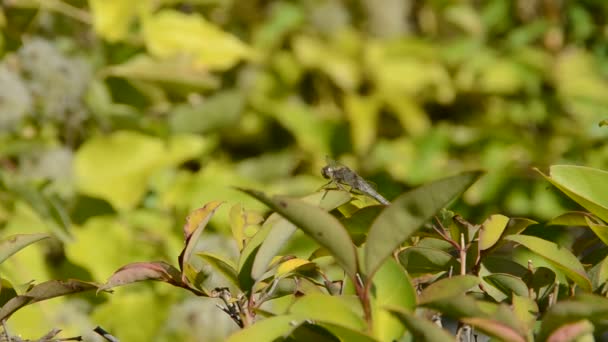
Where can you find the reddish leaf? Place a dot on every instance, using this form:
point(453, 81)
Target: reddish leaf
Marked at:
point(43, 291)
point(571, 331)
point(139, 271)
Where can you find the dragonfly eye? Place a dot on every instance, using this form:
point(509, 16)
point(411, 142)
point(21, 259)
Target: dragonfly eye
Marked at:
point(325, 172)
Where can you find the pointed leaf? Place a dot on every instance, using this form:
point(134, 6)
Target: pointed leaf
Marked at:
point(195, 224)
point(559, 257)
point(423, 330)
point(599, 229)
point(140, 271)
point(586, 186)
point(408, 213)
point(318, 224)
point(222, 265)
point(292, 265)
point(491, 230)
point(15, 243)
point(508, 284)
point(571, 218)
point(47, 290)
point(572, 331)
point(282, 230)
point(391, 286)
point(420, 261)
point(327, 309)
point(494, 329)
point(447, 287)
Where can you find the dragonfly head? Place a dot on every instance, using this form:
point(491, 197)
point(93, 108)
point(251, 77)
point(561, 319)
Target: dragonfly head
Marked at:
point(327, 172)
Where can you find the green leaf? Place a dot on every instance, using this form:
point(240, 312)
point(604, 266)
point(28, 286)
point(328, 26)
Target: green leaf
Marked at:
point(525, 310)
point(408, 213)
point(122, 178)
point(168, 33)
point(211, 114)
point(282, 230)
point(222, 265)
point(318, 224)
point(346, 334)
point(557, 256)
point(327, 309)
point(508, 284)
point(14, 243)
point(491, 231)
point(391, 287)
point(599, 229)
point(43, 291)
point(494, 329)
point(249, 252)
point(420, 261)
point(269, 329)
point(587, 306)
point(586, 186)
point(422, 329)
point(171, 72)
point(447, 287)
point(112, 19)
point(571, 218)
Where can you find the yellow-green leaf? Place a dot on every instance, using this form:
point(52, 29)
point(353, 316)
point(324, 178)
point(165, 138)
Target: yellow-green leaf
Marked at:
point(170, 33)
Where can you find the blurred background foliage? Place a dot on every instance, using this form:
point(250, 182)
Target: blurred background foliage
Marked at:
point(117, 118)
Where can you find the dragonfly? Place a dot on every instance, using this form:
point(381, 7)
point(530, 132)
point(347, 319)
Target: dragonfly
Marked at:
point(342, 175)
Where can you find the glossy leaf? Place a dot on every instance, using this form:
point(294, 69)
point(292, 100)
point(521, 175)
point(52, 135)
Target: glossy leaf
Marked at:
point(391, 287)
point(494, 329)
point(599, 229)
point(560, 258)
point(282, 230)
point(587, 186)
point(14, 243)
point(491, 230)
point(572, 331)
point(292, 265)
point(318, 224)
point(571, 218)
point(588, 306)
point(222, 265)
point(268, 329)
point(422, 329)
point(408, 213)
point(421, 260)
point(141, 271)
point(508, 284)
point(447, 287)
point(43, 291)
point(327, 309)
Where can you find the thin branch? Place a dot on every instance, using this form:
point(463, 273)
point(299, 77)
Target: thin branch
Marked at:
point(99, 330)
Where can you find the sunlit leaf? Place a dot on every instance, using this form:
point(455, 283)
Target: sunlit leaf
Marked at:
point(407, 213)
point(293, 265)
point(447, 287)
point(557, 256)
point(140, 271)
point(169, 33)
point(422, 329)
point(585, 185)
point(571, 218)
point(318, 224)
point(421, 260)
point(47, 290)
point(268, 329)
point(391, 287)
point(282, 230)
point(112, 19)
point(222, 265)
point(328, 309)
point(195, 224)
point(491, 230)
point(14, 243)
point(599, 229)
point(494, 329)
